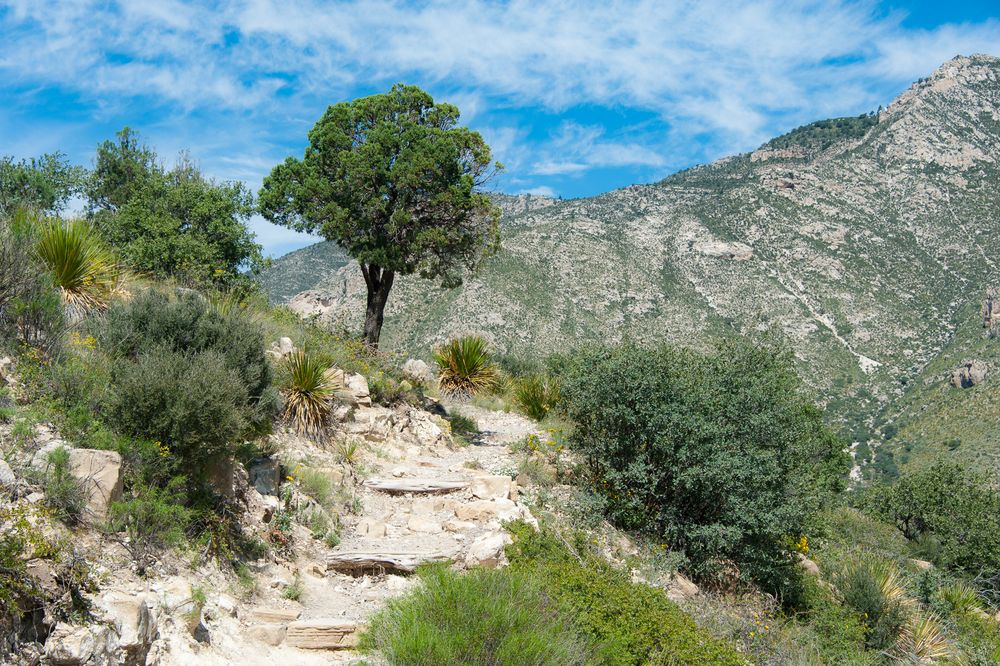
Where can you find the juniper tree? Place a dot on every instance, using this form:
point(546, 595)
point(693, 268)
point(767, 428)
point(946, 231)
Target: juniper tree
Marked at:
point(393, 179)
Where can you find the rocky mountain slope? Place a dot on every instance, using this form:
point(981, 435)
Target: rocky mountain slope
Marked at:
point(862, 240)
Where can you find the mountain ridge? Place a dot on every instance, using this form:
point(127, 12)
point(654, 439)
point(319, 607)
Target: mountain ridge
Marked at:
point(859, 241)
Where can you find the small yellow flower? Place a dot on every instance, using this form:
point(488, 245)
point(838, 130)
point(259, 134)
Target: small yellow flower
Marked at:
point(290, 477)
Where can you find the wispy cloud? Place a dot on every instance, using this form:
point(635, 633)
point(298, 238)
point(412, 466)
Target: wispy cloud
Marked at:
point(715, 76)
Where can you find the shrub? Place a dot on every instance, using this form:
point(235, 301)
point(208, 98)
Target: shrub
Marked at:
point(84, 270)
point(188, 324)
point(308, 389)
point(191, 402)
point(950, 513)
point(151, 520)
point(481, 618)
point(536, 395)
point(633, 624)
point(466, 367)
point(873, 589)
point(30, 311)
point(717, 454)
point(63, 493)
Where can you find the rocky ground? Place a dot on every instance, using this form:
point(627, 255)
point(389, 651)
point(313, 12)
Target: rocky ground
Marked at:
point(415, 494)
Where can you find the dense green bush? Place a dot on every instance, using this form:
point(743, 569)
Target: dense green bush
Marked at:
point(633, 624)
point(188, 323)
point(952, 515)
point(481, 618)
point(63, 493)
point(717, 454)
point(192, 403)
point(43, 184)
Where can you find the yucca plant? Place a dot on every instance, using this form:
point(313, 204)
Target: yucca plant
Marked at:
point(466, 366)
point(536, 395)
point(923, 640)
point(84, 269)
point(961, 598)
point(309, 388)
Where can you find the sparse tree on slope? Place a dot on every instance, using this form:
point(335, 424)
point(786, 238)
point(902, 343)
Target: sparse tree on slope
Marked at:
point(393, 180)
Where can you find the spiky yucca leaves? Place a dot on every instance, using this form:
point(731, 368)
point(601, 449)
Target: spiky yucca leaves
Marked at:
point(923, 640)
point(308, 388)
point(84, 269)
point(536, 395)
point(466, 366)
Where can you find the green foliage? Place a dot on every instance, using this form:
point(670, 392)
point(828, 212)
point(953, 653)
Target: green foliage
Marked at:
point(717, 454)
point(633, 624)
point(188, 324)
point(309, 389)
point(391, 178)
point(151, 519)
point(171, 223)
point(825, 133)
point(44, 184)
point(480, 618)
point(191, 402)
point(881, 614)
point(63, 493)
point(84, 269)
point(536, 395)
point(951, 513)
point(466, 366)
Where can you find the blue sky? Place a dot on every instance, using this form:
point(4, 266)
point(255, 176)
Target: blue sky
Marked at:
point(576, 98)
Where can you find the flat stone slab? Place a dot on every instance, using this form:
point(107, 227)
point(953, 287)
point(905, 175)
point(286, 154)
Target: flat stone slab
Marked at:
point(415, 486)
point(323, 634)
point(276, 615)
point(361, 563)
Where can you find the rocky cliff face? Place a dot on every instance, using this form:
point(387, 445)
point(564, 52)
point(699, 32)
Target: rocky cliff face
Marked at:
point(858, 239)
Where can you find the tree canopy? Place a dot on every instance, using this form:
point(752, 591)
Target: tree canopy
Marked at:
point(171, 222)
point(393, 179)
point(43, 184)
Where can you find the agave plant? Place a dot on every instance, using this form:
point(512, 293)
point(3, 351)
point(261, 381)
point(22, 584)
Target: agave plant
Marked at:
point(923, 640)
point(466, 366)
point(83, 268)
point(309, 389)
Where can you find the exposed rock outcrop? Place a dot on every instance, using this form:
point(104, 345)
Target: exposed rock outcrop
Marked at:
point(969, 374)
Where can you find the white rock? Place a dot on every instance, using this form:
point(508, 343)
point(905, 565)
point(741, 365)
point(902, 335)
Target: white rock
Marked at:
point(7, 478)
point(418, 371)
point(134, 622)
point(491, 487)
point(100, 475)
point(487, 551)
point(459, 526)
point(419, 524)
point(69, 645)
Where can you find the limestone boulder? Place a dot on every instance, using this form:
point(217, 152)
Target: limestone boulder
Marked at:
point(417, 371)
point(491, 487)
point(488, 551)
point(134, 622)
point(969, 374)
point(100, 476)
point(681, 587)
point(7, 478)
point(70, 645)
point(265, 475)
point(354, 388)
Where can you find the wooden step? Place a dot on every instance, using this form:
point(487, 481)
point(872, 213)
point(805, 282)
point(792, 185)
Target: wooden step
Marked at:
point(415, 486)
point(361, 563)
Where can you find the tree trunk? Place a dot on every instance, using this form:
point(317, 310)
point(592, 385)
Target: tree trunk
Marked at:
point(379, 283)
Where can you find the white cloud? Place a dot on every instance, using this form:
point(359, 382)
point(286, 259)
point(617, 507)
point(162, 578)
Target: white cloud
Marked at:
point(540, 191)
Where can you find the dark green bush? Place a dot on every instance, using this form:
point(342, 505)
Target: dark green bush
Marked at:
point(947, 512)
point(633, 623)
point(882, 616)
point(191, 402)
point(717, 454)
point(188, 323)
point(481, 618)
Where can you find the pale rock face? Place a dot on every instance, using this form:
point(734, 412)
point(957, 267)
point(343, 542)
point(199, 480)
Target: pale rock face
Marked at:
point(488, 551)
point(491, 487)
point(355, 390)
point(69, 645)
point(265, 475)
point(100, 475)
point(134, 622)
point(425, 525)
point(969, 374)
point(7, 478)
point(418, 371)
point(681, 588)
point(322, 634)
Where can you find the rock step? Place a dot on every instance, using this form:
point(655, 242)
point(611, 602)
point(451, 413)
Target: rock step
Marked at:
point(361, 563)
point(323, 634)
point(415, 486)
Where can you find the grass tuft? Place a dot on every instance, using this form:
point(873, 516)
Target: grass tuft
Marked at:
point(466, 366)
point(309, 389)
